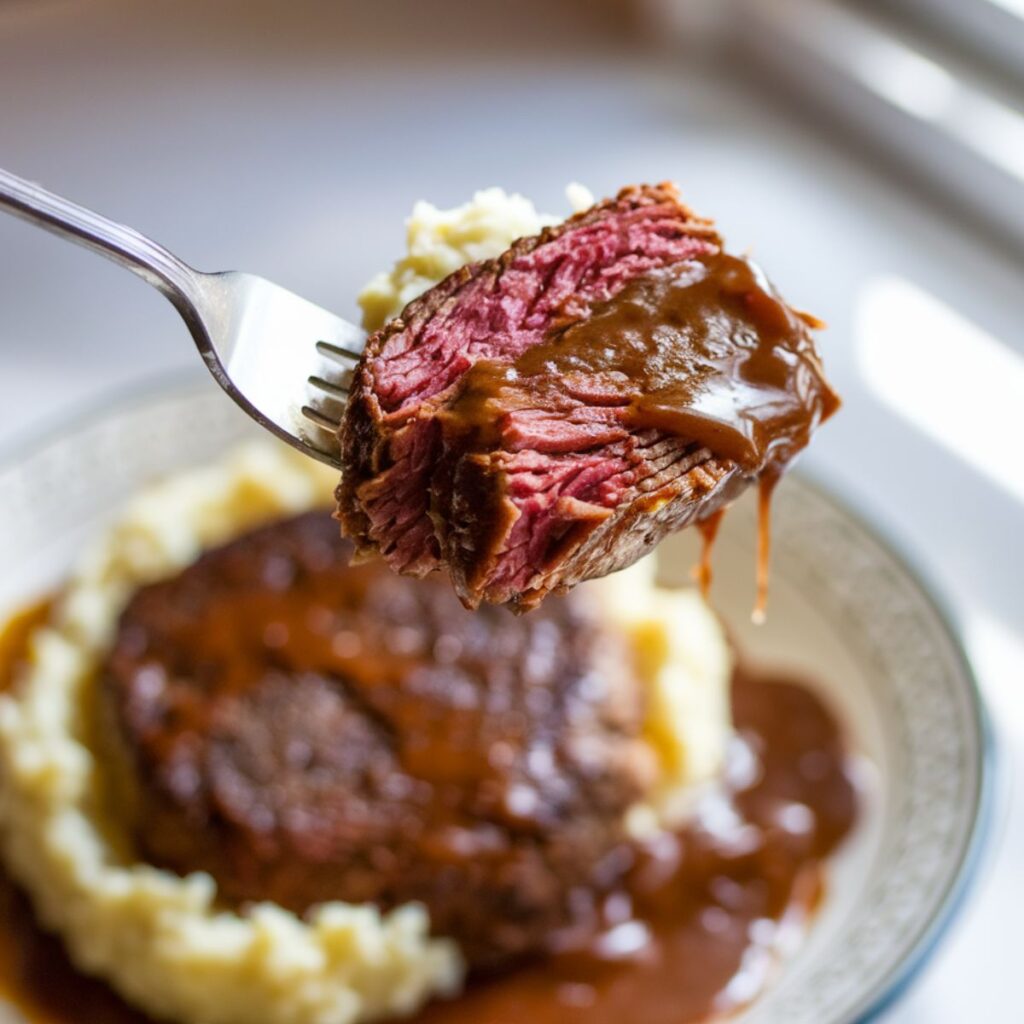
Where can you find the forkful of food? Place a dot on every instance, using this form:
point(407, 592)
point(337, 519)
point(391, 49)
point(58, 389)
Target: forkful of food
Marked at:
point(533, 420)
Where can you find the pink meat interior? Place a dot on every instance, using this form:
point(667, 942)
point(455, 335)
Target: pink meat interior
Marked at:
point(559, 466)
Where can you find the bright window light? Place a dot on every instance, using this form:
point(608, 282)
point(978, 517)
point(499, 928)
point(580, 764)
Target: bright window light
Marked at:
point(946, 376)
point(1013, 6)
point(909, 80)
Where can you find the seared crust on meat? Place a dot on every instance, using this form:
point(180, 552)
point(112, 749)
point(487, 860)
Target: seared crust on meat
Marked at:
point(422, 505)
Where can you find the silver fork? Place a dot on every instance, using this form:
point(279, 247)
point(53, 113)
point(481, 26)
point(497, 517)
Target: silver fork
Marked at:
point(285, 361)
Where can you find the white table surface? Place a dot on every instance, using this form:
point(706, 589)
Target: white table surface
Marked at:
point(292, 144)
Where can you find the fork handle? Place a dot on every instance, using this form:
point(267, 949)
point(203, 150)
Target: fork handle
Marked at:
point(152, 262)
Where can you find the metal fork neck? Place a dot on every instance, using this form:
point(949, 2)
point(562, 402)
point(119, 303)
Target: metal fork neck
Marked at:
point(121, 244)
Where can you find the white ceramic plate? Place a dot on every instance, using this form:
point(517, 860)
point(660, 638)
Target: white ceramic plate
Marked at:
point(845, 611)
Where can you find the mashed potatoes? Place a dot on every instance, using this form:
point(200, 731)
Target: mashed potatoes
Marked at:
point(161, 940)
point(164, 941)
point(685, 664)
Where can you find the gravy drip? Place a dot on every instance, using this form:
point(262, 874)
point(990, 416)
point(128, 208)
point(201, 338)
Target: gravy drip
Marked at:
point(705, 351)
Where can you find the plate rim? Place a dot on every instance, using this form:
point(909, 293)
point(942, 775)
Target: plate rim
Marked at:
point(906, 971)
point(23, 444)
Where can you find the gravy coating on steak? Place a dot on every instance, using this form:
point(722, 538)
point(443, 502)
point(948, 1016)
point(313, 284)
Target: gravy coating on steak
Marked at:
point(548, 416)
point(306, 730)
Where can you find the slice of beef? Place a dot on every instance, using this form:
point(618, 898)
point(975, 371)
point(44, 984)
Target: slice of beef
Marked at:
point(307, 730)
point(548, 416)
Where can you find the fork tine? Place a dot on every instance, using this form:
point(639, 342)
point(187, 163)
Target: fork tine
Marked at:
point(320, 419)
point(344, 355)
point(332, 388)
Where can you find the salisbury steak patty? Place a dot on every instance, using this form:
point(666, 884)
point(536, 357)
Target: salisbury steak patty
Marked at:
point(306, 730)
point(548, 416)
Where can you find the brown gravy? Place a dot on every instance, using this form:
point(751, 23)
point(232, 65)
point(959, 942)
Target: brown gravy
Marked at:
point(707, 352)
point(695, 935)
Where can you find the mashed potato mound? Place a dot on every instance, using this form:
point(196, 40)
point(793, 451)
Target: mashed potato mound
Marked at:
point(163, 941)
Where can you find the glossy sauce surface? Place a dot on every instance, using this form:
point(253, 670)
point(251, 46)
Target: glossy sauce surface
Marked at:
point(346, 734)
point(706, 351)
point(707, 913)
point(696, 933)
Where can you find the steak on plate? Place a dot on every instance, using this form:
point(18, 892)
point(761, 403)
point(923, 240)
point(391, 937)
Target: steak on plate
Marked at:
point(305, 730)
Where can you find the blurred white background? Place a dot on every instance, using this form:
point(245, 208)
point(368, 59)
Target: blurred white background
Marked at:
point(291, 140)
